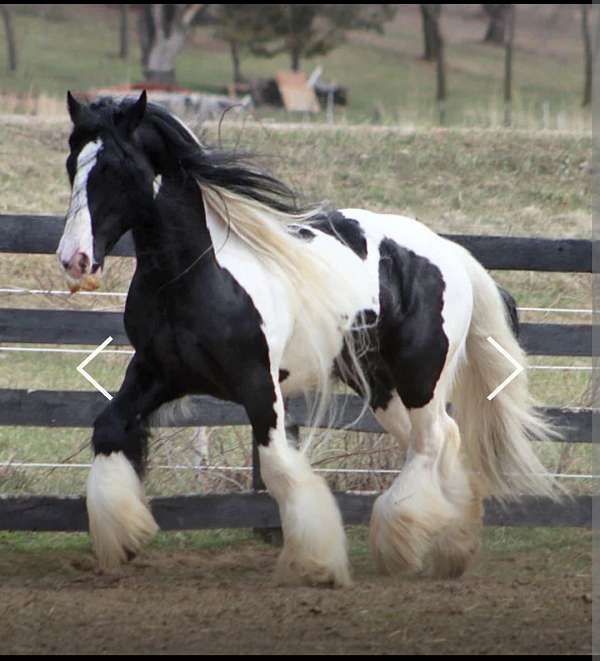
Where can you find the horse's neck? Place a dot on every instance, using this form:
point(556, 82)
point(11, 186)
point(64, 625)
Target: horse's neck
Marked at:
point(172, 234)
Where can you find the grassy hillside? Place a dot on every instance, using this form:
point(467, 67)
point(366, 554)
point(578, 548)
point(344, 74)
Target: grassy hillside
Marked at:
point(74, 46)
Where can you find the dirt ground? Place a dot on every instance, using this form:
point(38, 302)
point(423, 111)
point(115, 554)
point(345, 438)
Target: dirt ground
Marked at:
point(527, 597)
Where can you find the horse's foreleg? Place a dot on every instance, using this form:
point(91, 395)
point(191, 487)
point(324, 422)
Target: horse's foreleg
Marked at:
point(314, 544)
point(119, 518)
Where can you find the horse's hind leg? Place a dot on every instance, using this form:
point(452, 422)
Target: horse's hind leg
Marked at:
point(456, 544)
point(428, 519)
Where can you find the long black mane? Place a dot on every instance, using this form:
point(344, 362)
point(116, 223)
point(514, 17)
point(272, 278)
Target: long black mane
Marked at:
point(170, 145)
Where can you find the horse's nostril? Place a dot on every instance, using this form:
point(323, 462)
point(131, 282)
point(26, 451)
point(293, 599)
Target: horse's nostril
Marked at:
point(83, 262)
point(65, 264)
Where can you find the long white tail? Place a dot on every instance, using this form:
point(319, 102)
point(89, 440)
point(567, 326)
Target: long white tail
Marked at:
point(497, 434)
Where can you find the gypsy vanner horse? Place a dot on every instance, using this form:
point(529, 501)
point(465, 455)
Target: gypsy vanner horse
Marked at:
point(241, 294)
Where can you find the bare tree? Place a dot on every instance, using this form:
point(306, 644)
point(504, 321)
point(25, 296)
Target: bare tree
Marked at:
point(588, 54)
point(509, 39)
point(496, 30)
point(441, 72)
point(163, 29)
point(11, 43)
point(306, 30)
point(242, 26)
point(430, 15)
point(124, 32)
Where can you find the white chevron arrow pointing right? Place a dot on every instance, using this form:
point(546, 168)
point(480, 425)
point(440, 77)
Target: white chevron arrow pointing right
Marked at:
point(514, 375)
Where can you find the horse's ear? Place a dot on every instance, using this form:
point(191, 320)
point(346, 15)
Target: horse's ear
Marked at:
point(75, 108)
point(133, 116)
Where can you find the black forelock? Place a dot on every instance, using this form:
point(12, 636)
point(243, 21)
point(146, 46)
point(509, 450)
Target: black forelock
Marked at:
point(168, 145)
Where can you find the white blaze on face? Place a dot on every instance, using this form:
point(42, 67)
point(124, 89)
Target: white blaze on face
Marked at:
point(77, 237)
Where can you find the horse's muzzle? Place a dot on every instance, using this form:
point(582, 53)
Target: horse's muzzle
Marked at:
point(81, 274)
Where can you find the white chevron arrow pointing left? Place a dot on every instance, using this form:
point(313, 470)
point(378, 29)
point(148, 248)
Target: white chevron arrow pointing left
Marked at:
point(88, 360)
point(514, 375)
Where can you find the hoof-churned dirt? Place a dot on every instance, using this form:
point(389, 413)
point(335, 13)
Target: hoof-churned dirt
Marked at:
point(178, 598)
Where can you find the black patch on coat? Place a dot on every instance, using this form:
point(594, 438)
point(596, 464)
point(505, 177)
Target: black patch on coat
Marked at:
point(412, 338)
point(346, 230)
point(408, 346)
point(378, 374)
point(303, 232)
point(283, 375)
point(510, 305)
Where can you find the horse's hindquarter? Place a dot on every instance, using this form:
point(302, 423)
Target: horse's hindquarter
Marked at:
point(444, 257)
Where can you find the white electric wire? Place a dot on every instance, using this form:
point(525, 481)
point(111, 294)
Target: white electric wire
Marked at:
point(232, 469)
point(80, 351)
point(557, 310)
point(581, 368)
point(58, 292)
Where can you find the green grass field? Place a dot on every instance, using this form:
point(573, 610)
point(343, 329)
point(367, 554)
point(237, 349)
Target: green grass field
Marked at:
point(74, 46)
point(472, 181)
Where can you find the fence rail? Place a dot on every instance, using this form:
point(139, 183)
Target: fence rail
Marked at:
point(50, 408)
point(88, 327)
point(42, 408)
point(41, 234)
point(258, 510)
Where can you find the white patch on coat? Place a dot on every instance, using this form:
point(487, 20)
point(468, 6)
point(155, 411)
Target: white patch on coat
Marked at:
point(268, 295)
point(77, 236)
point(156, 184)
point(394, 418)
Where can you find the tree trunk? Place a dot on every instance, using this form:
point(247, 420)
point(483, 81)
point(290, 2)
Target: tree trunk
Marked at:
point(163, 29)
point(166, 45)
point(496, 30)
point(124, 32)
point(441, 74)
point(508, 65)
point(10, 38)
point(588, 55)
point(295, 59)
point(235, 60)
point(430, 16)
point(146, 30)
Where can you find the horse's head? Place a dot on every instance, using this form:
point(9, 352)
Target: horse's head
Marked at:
point(111, 180)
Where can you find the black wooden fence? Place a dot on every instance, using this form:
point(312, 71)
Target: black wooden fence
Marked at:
point(40, 235)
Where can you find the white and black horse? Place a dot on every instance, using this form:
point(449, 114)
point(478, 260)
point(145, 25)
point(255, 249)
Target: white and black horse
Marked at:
point(241, 295)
